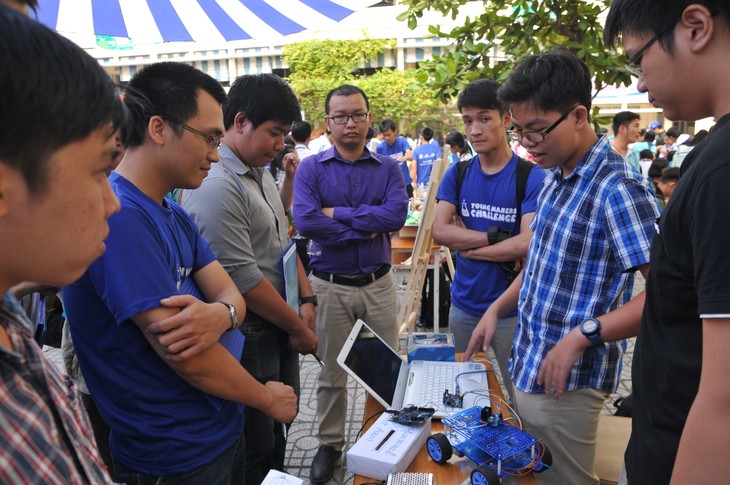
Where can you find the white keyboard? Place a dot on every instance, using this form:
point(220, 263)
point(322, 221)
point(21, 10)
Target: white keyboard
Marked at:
point(438, 379)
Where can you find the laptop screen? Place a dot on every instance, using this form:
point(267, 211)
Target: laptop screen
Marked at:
point(375, 364)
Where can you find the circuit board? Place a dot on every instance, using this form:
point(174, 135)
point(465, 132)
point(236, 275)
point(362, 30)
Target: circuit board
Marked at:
point(502, 441)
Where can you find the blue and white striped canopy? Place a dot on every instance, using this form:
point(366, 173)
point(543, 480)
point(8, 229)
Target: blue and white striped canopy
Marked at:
point(149, 21)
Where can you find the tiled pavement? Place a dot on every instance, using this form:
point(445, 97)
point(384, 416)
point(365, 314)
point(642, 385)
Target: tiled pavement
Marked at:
point(302, 444)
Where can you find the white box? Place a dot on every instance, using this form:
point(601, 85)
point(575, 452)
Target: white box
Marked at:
point(386, 447)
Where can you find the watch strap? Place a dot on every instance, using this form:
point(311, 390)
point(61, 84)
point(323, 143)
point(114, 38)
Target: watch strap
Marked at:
point(595, 336)
point(233, 314)
point(308, 299)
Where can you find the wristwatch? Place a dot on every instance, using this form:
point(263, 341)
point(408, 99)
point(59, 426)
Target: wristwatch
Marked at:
point(308, 299)
point(591, 328)
point(234, 315)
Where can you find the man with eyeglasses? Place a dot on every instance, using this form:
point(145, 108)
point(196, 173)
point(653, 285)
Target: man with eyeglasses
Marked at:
point(243, 217)
point(591, 231)
point(681, 415)
point(496, 196)
point(347, 200)
point(155, 319)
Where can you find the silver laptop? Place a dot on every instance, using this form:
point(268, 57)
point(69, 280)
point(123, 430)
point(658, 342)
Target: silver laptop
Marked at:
point(395, 383)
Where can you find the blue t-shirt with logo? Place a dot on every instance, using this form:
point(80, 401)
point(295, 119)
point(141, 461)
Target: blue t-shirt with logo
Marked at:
point(424, 156)
point(486, 200)
point(160, 424)
point(397, 150)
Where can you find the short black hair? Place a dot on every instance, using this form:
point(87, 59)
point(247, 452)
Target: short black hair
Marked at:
point(345, 90)
point(671, 174)
point(551, 81)
point(646, 154)
point(53, 94)
point(623, 118)
point(673, 132)
point(699, 136)
point(427, 133)
point(370, 134)
point(386, 125)
point(168, 89)
point(649, 17)
point(649, 136)
point(657, 167)
point(301, 131)
point(262, 97)
point(481, 94)
point(455, 139)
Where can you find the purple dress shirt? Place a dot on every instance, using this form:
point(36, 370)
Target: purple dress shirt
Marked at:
point(369, 201)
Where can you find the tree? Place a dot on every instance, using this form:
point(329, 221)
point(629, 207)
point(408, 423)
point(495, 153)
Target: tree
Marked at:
point(399, 95)
point(513, 30)
point(318, 66)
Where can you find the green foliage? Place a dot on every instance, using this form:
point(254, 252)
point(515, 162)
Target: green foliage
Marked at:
point(399, 96)
point(320, 65)
point(330, 59)
point(515, 29)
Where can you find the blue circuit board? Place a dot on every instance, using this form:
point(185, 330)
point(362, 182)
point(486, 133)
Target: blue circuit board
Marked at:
point(501, 442)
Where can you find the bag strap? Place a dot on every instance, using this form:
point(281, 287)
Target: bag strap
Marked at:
point(461, 168)
point(524, 167)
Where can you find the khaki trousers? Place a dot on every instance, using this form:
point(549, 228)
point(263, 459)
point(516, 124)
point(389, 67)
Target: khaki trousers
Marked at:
point(568, 425)
point(339, 308)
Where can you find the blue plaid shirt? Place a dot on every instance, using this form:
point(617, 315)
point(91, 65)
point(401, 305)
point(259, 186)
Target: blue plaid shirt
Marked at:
point(591, 230)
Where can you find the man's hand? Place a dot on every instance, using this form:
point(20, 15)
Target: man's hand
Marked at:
point(481, 336)
point(194, 329)
point(329, 212)
point(289, 164)
point(307, 313)
point(559, 360)
point(303, 340)
point(284, 402)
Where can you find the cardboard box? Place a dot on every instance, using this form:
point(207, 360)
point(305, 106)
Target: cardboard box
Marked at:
point(386, 447)
point(431, 346)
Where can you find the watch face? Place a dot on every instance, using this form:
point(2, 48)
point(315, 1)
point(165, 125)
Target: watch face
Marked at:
point(589, 326)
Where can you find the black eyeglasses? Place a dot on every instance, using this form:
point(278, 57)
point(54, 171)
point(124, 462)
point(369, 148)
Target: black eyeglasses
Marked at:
point(342, 119)
point(215, 141)
point(633, 64)
point(538, 136)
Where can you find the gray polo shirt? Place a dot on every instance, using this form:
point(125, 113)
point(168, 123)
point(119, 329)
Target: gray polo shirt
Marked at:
point(240, 214)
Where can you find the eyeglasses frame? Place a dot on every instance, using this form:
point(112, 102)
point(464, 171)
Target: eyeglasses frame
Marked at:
point(633, 63)
point(518, 136)
point(349, 117)
point(215, 141)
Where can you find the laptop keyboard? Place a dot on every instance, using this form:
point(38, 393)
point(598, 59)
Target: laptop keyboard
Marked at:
point(438, 379)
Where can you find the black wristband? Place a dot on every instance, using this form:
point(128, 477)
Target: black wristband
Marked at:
point(308, 299)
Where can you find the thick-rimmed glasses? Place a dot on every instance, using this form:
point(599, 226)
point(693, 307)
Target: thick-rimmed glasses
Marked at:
point(633, 64)
point(538, 136)
point(215, 141)
point(343, 119)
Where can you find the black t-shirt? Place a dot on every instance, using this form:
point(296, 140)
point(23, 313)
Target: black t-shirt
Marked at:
point(689, 277)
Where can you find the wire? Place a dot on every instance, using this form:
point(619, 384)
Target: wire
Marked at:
point(367, 421)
